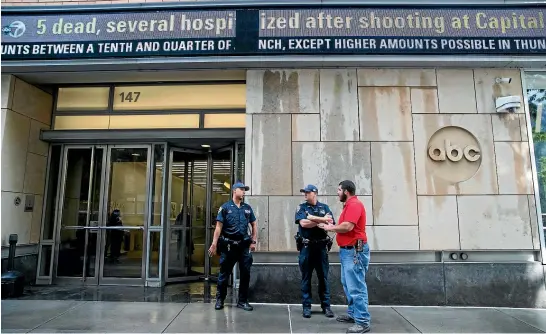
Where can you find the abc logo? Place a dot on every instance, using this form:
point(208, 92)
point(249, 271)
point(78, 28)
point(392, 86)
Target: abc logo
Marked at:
point(454, 154)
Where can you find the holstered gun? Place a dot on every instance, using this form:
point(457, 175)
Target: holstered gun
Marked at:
point(299, 241)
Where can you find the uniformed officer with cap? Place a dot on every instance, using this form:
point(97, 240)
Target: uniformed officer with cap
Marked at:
point(313, 244)
point(232, 242)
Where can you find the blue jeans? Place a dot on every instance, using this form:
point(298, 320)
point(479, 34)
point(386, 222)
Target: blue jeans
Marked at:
point(353, 279)
point(314, 258)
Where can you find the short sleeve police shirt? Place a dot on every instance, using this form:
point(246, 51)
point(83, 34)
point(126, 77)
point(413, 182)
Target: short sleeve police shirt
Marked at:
point(319, 210)
point(235, 219)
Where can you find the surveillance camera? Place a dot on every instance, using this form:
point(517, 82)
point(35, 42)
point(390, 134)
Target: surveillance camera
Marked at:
point(503, 80)
point(508, 103)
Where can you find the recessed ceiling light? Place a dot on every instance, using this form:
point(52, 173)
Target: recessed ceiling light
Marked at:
point(205, 146)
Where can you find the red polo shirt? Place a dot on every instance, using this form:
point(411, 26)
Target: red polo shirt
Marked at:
point(353, 212)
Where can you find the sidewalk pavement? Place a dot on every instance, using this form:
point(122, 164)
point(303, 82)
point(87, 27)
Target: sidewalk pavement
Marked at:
point(42, 316)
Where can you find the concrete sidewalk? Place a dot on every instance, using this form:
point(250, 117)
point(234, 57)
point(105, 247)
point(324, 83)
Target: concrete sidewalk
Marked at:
point(39, 316)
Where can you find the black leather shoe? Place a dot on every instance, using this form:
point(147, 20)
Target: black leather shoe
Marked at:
point(307, 313)
point(219, 304)
point(245, 306)
point(328, 312)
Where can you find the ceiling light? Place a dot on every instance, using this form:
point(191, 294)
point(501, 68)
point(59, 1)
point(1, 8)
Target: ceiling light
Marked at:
point(205, 146)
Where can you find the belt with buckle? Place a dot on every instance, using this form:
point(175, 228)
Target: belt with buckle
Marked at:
point(347, 247)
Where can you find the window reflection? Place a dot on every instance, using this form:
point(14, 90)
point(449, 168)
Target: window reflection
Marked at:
point(536, 97)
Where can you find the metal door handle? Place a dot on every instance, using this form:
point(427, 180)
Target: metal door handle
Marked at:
point(122, 227)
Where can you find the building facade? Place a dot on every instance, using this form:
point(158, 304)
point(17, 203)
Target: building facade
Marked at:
point(435, 112)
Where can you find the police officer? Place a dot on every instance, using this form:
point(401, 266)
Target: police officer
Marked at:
point(313, 244)
point(232, 242)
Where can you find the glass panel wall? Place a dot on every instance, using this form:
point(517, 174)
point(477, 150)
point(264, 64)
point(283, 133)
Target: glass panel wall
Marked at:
point(536, 97)
point(52, 187)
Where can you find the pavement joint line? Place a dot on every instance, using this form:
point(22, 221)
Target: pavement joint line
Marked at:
point(289, 318)
point(176, 316)
point(413, 306)
point(409, 322)
point(518, 319)
point(59, 315)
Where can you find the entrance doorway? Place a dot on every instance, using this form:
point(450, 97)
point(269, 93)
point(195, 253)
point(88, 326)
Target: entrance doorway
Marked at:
point(102, 214)
point(200, 182)
point(135, 214)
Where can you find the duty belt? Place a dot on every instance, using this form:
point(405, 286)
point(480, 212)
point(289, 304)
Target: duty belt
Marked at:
point(231, 241)
point(308, 241)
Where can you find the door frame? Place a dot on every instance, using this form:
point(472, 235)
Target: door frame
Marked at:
point(59, 216)
point(168, 227)
point(104, 198)
point(144, 228)
point(209, 228)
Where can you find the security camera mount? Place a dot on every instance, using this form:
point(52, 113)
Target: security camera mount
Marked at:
point(503, 80)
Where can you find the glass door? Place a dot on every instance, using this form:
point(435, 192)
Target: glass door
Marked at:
point(200, 182)
point(80, 219)
point(186, 244)
point(221, 181)
point(125, 215)
point(102, 216)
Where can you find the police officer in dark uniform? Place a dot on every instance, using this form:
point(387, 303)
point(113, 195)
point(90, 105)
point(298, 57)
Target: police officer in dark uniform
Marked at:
point(313, 244)
point(232, 242)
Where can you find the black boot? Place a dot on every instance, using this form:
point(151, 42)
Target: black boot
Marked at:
point(307, 313)
point(328, 312)
point(219, 304)
point(245, 306)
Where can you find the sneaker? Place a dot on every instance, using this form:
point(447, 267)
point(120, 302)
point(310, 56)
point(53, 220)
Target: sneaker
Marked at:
point(359, 329)
point(219, 304)
point(328, 312)
point(245, 306)
point(307, 313)
point(345, 318)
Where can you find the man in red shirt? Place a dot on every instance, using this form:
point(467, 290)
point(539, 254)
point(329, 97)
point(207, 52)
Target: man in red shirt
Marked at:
point(354, 254)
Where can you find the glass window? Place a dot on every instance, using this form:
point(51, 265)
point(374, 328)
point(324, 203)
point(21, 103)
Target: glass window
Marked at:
point(225, 121)
point(52, 186)
point(157, 191)
point(45, 262)
point(178, 97)
point(155, 245)
point(83, 98)
point(536, 96)
point(240, 163)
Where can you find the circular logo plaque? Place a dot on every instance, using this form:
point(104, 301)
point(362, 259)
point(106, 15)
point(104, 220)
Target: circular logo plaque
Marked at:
point(455, 154)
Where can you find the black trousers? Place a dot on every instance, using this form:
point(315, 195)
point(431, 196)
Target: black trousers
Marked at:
point(228, 258)
point(314, 257)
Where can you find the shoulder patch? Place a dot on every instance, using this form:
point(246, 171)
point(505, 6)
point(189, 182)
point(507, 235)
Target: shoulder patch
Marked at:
point(220, 210)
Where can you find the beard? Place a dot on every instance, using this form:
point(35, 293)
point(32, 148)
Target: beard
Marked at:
point(342, 198)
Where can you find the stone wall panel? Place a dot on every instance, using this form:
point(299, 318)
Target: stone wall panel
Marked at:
point(438, 223)
point(396, 77)
point(514, 168)
point(282, 91)
point(456, 91)
point(495, 222)
point(338, 105)
point(271, 155)
point(393, 184)
point(326, 164)
point(385, 114)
